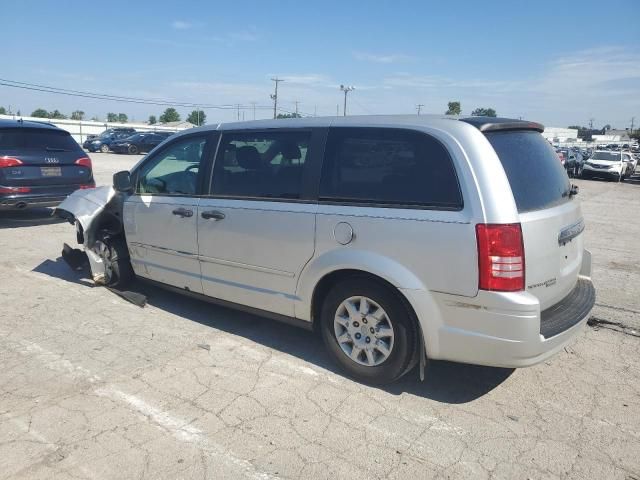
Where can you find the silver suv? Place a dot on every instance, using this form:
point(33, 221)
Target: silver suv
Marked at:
point(399, 239)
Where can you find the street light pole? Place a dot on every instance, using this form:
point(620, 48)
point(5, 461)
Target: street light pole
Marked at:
point(274, 96)
point(419, 107)
point(346, 90)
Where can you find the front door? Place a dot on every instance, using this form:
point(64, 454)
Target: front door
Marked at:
point(160, 218)
point(256, 229)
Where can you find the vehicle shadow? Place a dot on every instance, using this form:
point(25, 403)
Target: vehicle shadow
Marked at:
point(32, 217)
point(445, 382)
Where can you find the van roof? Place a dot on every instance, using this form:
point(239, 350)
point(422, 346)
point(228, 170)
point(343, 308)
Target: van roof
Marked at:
point(6, 123)
point(483, 124)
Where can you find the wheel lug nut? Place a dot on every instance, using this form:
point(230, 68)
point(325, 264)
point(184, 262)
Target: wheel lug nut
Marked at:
point(368, 340)
point(358, 336)
point(372, 330)
point(364, 320)
point(356, 324)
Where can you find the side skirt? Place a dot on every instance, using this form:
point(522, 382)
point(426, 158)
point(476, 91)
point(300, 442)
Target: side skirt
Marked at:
point(296, 322)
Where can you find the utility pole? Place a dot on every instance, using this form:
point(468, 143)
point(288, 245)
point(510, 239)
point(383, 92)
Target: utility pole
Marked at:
point(633, 120)
point(253, 104)
point(337, 110)
point(419, 107)
point(346, 90)
point(315, 110)
point(591, 123)
point(274, 96)
point(238, 110)
point(296, 102)
point(198, 110)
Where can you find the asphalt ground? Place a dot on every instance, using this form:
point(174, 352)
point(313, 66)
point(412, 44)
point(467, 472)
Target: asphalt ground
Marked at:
point(92, 386)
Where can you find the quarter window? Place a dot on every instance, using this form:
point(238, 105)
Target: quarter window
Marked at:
point(388, 167)
point(261, 165)
point(174, 170)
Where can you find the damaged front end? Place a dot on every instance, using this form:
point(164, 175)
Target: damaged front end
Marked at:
point(97, 215)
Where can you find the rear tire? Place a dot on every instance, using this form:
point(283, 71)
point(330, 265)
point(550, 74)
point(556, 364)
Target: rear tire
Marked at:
point(378, 341)
point(133, 149)
point(113, 251)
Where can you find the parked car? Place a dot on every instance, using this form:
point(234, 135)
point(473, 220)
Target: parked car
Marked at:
point(631, 161)
point(139, 143)
point(108, 133)
point(40, 165)
point(572, 161)
point(103, 143)
point(397, 238)
point(605, 164)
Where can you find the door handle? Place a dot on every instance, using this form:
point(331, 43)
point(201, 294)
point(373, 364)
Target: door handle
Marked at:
point(183, 212)
point(209, 214)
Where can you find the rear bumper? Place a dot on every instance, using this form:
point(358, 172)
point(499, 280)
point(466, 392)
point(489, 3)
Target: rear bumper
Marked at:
point(501, 329)
point(41, 196)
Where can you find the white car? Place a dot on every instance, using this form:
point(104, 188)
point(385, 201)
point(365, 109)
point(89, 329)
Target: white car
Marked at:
point(398, 239)
point(632, 163)
point(605, 164)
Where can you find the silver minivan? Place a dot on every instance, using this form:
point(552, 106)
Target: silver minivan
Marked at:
point(398, 238)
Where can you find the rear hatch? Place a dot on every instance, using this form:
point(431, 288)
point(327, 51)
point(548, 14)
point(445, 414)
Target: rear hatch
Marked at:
point(42, 156)
point(551, 218)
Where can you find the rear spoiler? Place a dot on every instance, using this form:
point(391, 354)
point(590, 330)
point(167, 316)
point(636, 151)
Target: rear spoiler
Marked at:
point(491, 124)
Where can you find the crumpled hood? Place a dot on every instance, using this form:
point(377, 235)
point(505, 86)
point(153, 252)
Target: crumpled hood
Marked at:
point(86, 205)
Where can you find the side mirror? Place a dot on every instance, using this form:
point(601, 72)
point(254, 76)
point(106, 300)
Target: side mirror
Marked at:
point(122, 182)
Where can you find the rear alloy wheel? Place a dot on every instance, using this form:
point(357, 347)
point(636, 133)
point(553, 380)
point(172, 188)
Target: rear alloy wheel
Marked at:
point(104, 148)
point(368, 330)
point(133, 149)
point(113, 252)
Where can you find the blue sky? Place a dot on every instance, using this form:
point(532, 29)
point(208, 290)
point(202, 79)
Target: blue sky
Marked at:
point(558, 62)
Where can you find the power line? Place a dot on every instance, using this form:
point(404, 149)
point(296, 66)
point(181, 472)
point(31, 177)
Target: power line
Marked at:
point(117, 98)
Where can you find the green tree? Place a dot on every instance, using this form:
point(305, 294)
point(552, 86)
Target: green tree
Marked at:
point(607, 127)
point(197, 117)
point(170, 115)
point(112, 117)
point(122, 118)
point(3, 111)
point(77, 115)
point(40, 113)
point(289, 115)
point(484, 112)
point(57, 114)
point(152, 120)
point(454, 108)
point(95, 118)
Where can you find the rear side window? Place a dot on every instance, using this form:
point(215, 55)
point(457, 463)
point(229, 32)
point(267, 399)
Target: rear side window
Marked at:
point(261, 165)
point(388, 167)
point(538, 179)
point(37, 139)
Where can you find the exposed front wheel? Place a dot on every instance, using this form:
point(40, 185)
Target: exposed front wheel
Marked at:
point(368, 330)
point(115, 257)
point(104, 148)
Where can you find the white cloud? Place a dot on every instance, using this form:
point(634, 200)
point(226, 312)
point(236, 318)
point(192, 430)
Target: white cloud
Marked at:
point(181, 25)
point(381, 58)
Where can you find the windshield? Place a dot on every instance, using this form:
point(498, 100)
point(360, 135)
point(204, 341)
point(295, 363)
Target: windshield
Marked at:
point(608, 156)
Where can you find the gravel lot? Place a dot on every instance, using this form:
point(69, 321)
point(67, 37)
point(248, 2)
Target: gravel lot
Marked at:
point(94, 387)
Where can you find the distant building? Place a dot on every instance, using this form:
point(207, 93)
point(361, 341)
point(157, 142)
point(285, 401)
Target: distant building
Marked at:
point(556, 135)
point(613, 136)
point(179, 125)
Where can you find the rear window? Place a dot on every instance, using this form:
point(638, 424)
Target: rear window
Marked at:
point(538, 179)
point(388, 167)
point(36, 139)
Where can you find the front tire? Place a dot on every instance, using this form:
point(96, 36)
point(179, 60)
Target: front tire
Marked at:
point(368, 330)
point(133, 149)
point(104, 148)
point(113, 252)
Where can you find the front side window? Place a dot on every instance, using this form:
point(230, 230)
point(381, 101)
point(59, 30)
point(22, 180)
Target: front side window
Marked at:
point(173, 170)
point(261, 165)
point(388, 167)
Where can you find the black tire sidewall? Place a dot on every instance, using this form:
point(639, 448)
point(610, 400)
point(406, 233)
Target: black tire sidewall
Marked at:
point(122, 272)
point(133, 149)
point(404, 328)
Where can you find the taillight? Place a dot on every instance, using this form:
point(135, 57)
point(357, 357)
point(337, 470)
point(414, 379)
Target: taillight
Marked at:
point(84, 162)
point(86, 187)
point(11, 190)
point(500, 257)
point(9, 162)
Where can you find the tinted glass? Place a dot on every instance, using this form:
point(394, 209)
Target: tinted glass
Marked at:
point(388, 166)
point(174, 170)
point(262, 165)
point(538, 179)
point(37, 139)
point(610, 156)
